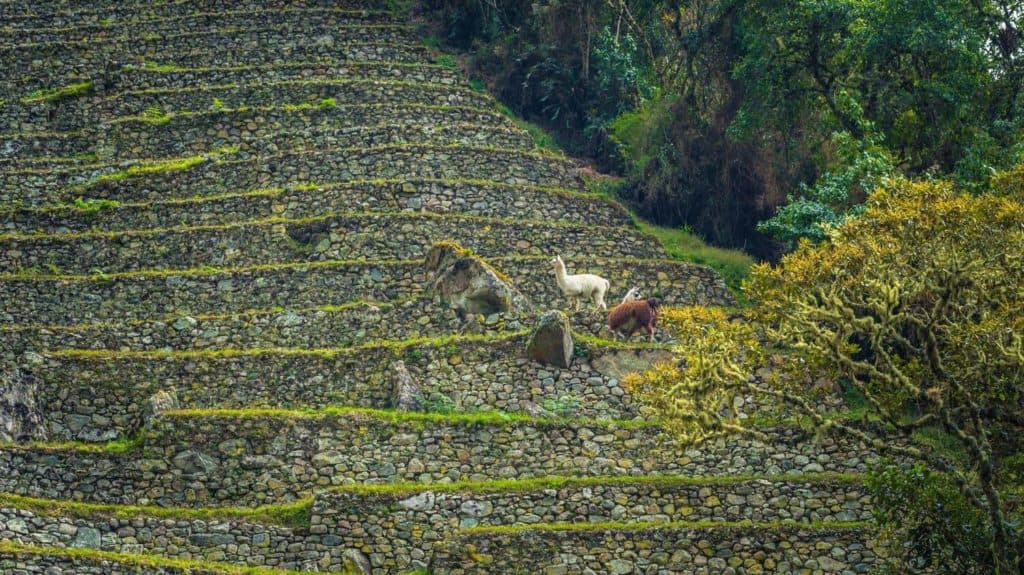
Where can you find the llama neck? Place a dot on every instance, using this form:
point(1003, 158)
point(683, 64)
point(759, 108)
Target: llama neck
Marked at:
point(560, 274)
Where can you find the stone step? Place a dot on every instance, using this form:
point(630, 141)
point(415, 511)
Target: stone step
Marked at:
point(33, 560)
point(486, 199)
point(92, 109)
point(385, 524)
point(187, 133)
point(325, 19)
point(97, 396)
point(669, 549)
point(254, 457)
point(66, 300)
point(398, 236)
point(222, 171)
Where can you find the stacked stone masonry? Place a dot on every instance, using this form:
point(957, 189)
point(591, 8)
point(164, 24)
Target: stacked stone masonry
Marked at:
point(401, 530)
point(262, 460)
point(56, 301)
point(211, 257)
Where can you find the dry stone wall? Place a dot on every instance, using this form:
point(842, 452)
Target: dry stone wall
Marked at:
point(427, 196)
point(96, 398)
point(43, 301)
point(398, 531)
point(219, 174)
point(388, 237)
point(661, 551)
point(257, 460)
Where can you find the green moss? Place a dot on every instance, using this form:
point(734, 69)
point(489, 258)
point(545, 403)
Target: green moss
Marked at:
point(175, 165)
point(187, 566)
point(296, 515)
point(191, 116)
point(542, 483)
point(395, 417)
point(639, 526)
point(57, 94)
point(447, 61)
point(541, 138)
point(383, 83)
point(277, 220)
point(396, 345)
point(115, 446)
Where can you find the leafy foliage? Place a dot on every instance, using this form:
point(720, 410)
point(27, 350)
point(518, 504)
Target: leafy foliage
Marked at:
point(918, 304)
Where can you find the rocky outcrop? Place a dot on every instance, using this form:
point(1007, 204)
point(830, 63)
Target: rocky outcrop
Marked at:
point(468, 283)
point(551, 342)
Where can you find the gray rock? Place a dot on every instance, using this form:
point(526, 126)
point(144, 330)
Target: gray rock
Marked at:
point(21, 419)
point(406, 390)
point(159, 402)
point(419, 502)
point(193, 462)
point(620, 566)
point(469, 284)
point(551, 342)
point(353, 561)
point(87, 538)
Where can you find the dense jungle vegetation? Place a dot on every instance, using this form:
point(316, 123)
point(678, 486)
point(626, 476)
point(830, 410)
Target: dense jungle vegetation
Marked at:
point(752, 122)
point(872, 149)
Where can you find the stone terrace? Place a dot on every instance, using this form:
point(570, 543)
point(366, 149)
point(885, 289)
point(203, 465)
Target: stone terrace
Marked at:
point(213, 220)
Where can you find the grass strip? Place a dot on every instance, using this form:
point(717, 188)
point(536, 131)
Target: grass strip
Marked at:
point(448, 88)
point(279, 220)
point(329, 353)
point(57, 94)
point(207, 14)
point(140, 561)
point(175, 69)
point(90, 205)
point(335, 308)
point(294, 108)
point(171, 164)
point(559, 482)
point(782, 525)
point(35, 275)
point(295, 515)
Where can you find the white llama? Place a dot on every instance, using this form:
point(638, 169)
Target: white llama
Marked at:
point(588, 286)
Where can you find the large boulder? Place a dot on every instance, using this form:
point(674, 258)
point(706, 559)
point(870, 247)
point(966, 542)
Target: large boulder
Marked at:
point(469, 284)
point(21, 416)
point(551, 341)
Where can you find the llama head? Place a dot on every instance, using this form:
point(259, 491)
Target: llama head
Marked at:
point(652, 302)
point(633, 293)
point(556, 262)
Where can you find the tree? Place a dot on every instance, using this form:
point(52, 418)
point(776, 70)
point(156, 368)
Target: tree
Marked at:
point(917, 304)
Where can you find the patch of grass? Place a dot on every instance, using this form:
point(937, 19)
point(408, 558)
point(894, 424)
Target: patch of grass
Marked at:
point(57, 94)
point(327, 103)
point(114, 446)
point(154, 67)
point(141, 561)
point(155, 115)
point(447, 61)
point(682, 244)
point(492, 417)
point(175, 165)
point(558, 482)
point(431, 42)
point(477, 85)
point(295, 515)
point(642, 525)
point(541, 138)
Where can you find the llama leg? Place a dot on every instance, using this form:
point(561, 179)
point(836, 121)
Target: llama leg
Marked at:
point(650, 332)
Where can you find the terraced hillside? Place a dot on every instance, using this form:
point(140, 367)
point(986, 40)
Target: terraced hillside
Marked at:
point(214, 223)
